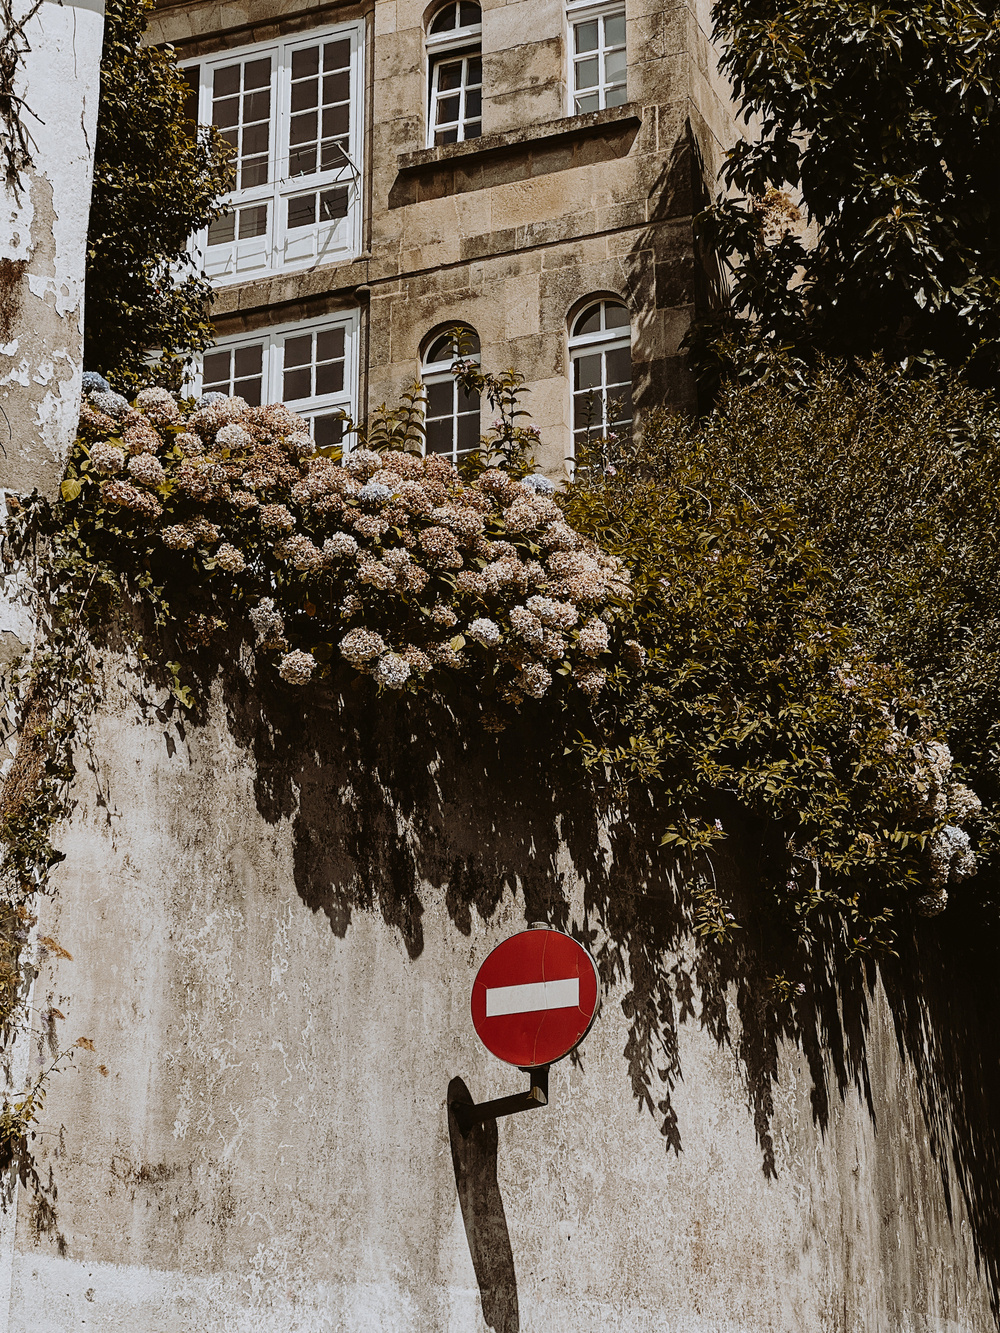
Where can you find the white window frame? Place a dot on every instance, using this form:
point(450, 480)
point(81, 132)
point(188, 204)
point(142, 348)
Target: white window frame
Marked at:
point(440, 372)
point(467, 42)
point(603, 340)
point(272, 340)
point(589, 12)
point(322, 242)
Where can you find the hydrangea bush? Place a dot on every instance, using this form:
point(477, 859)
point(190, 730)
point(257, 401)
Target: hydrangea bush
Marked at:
point(386, 561)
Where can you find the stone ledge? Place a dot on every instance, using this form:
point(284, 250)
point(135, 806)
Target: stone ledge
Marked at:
point(515, 155)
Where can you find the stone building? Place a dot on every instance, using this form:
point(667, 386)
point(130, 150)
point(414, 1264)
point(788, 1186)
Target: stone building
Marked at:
point(527, 170)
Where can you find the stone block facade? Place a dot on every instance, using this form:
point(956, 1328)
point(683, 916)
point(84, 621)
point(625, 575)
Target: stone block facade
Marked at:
point(541, 210)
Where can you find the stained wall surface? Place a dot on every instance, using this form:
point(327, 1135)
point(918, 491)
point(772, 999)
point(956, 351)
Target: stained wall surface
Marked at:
point(275, 914)
point(43, 232)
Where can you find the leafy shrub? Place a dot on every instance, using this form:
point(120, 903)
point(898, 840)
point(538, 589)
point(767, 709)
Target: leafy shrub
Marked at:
point(157, 179)
point(752, 672)
point(390, 561)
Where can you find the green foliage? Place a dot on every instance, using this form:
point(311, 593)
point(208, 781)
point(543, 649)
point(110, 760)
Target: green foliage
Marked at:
point(753, 673)
point(157, 179)
point(896, 481)
point(884, 123)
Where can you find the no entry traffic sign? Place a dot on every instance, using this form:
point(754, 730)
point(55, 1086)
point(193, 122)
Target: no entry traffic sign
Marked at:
point(535, 997)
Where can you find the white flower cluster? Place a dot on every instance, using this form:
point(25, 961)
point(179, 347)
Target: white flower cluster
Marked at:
point(402, 567)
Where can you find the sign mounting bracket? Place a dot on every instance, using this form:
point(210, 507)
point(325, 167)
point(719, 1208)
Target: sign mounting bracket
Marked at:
point(537, 1095)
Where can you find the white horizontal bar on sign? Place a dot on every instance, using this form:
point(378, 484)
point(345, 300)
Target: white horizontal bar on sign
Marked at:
point(535, 995)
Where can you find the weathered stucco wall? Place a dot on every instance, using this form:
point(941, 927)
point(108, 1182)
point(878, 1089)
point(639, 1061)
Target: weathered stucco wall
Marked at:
point(275, 916)
point(43, 232)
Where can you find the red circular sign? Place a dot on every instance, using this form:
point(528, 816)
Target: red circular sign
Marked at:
point(535, 998)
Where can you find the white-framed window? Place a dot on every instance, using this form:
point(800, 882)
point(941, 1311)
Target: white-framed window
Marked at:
point(600, 350)
point(597, 57)
point(451, 416)
point(310, 366)
point(455, 71)
point(292, 111)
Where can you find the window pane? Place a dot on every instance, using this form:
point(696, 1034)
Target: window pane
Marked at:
point(615, 316)
point(222, 230)
point(305, 94)
point(441, 398)
point(614, 66)
point(302, 211)
point(586, 36)
point(226, 82)
point(586, 72)
point(468, 432)
point(255, 140)
point(257, 106)
point(297, 384)
point(215, 371)
point(616, 96)
point(336, 120)
point(250, 390)
point(589, 103)
point(587, 372)
point(447, 110)
point(473, 129)
point(337, 88)
point(330, 377)
point(475, 74)
point(327, 431)
point(441, 349)
point(226, 113)
point(450, 76)
point(253, 221)
point(254, 173)
point(302, 161)
point(329, 344)
point(474, 104)
point(468, 402)
point(257, 74)
point(305, 63)
point(614, 30)
point(439, 436)
point(248, 360)
point(446, 136)
point(445, 21)
point(619, 363)
point(589, 321)
point(619, 407)
point(336, 55)
point(333, 155)
point(469, 14)
point(298, 351)
point(333, 205)
point(303, 128)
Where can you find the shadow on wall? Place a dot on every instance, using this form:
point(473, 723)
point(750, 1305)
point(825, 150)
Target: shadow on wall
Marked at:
point(387, 795)
point(474, 1157)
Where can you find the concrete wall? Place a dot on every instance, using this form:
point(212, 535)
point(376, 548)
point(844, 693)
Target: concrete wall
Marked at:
point(43, 232)
point(275, 914)
point(508, 233)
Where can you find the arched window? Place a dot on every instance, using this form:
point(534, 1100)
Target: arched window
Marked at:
point(600, 349)
point(455, 68)
point(451, 416)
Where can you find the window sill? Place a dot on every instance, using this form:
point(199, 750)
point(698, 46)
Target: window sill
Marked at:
point(514, 155)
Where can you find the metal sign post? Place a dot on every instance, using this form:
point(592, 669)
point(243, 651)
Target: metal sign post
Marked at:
point(534, 1000)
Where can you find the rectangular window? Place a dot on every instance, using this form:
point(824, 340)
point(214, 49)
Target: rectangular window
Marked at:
point(311, 367)
point(292, 113)
point(597, 58)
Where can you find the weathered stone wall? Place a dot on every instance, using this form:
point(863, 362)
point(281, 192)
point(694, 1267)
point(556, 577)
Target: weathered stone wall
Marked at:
point(275, 913)
point(43, 232)
point(511, 232)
